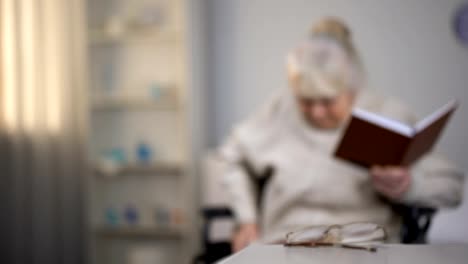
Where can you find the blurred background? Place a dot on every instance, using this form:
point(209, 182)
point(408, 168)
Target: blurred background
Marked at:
point(108, 109)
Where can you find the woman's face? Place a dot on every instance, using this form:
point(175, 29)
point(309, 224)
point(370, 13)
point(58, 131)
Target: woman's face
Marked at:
point(326, 113)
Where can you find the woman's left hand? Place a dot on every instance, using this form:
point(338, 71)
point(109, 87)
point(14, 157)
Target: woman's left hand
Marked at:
point(392, 182)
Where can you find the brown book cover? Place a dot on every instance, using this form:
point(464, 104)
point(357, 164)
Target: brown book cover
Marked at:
point(372, 139)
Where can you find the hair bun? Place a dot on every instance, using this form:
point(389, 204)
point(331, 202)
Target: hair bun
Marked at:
point(337, 29)
point(333, 27)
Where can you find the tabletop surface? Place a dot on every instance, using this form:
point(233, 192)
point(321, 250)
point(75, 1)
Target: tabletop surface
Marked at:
point(388, 254)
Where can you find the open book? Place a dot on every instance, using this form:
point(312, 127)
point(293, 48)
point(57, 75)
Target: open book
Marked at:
point(372, 139)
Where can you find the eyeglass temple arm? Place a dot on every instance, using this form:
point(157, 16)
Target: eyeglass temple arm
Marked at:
point(313, 244)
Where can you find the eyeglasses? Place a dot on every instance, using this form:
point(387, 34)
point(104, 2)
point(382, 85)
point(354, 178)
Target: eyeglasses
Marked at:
point(359, 235)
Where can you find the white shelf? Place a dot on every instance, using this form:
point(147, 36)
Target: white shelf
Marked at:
point(101, 37)
point(122, 104)
point(139, 232)
point(147, 100)
point(158, 168)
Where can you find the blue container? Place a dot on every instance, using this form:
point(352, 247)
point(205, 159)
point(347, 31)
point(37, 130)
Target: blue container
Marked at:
point(144, 153)
point(131, 215)
point(111, 216)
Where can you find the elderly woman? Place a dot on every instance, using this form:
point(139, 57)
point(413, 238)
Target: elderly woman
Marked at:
point(296, 133)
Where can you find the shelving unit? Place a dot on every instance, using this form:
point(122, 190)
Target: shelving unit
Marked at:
point(123, 104)
point(139, 233)
point(156, 168)
point(148, 36)
point(137, 98)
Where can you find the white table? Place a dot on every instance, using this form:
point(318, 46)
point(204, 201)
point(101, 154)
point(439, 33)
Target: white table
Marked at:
point(388, 254)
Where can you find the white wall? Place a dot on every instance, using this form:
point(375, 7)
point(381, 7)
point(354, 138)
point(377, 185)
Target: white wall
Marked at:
point(408, 48)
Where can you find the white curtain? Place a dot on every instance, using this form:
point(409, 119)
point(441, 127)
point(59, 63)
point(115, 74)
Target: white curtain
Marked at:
point(43, 131)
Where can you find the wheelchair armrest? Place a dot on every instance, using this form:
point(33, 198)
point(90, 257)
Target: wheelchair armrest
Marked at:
point(416, 221)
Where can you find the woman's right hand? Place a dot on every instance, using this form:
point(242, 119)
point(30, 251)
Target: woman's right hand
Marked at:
point(246, 234)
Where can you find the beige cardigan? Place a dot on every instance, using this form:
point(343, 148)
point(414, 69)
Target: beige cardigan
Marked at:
point(310, 186)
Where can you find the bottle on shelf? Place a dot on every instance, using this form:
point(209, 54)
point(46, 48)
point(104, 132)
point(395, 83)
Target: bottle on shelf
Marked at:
point(144, 153)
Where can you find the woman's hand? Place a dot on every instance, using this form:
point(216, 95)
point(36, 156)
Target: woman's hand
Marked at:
point(246, 234)
point(392, 182)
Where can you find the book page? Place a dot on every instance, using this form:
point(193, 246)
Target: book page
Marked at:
point(428, 120)
point(385, 122)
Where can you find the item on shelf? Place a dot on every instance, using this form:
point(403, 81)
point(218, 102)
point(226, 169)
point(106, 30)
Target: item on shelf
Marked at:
point(177, 217)
point(148, 17)
point(131, 215)
point(107, 167)
point(162, 216)
point(144, 153)
point(118, 155)
point(115, 26)
point(111, 216)
point(146, 216)
point(112, 161)
point(156, 91)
